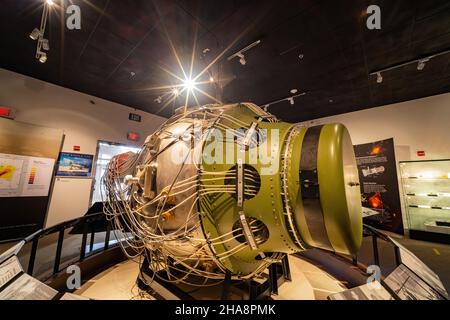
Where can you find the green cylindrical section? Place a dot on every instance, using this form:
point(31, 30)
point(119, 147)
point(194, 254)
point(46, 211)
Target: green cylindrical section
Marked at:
point(286, 216)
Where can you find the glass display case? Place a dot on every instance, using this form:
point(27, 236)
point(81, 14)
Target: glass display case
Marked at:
point(426, 190)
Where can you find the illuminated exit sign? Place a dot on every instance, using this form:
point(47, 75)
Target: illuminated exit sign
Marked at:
point(6, 112)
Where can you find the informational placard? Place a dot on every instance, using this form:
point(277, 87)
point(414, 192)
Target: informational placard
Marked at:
point(379, 185)
point(24, 176)
point(75, 165)
point(27, 288)
point(363, 292)
point(408, 286)
point(420, 269)
point(9, 269)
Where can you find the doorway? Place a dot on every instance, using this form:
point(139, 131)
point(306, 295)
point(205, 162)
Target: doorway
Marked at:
point(105, 152)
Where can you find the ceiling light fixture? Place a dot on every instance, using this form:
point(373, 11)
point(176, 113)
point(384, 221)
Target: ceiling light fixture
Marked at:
point(421, 64)
point(34, 35)
point(38, 34)
point(45, 44)
point(240, 53)
point(379, 78)
point(175, 91)
point(42, 57)
point(189, 84)
point(290, 99)
point(418, 62)
point(211, 79)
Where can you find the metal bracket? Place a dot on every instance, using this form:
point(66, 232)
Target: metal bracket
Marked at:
point(247, 231)
point(240, 183)
point(248, 135)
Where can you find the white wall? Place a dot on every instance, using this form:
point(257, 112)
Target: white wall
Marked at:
point(422, 124)
point(83, 123)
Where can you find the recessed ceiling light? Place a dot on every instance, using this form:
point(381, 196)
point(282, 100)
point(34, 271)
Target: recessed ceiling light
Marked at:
point(301, 56)
point(211, 79)
point(331, 101)
point(132, 73)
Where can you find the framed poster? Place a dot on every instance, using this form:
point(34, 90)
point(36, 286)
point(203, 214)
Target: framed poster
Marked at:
point(74, 165)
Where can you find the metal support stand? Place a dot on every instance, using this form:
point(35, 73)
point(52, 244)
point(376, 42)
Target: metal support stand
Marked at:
point(273, 278)
point(286, 269)
point(226, 286)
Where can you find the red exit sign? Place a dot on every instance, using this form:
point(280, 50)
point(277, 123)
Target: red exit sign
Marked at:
point(133, 136)
point(421, 153)
point(6, 112)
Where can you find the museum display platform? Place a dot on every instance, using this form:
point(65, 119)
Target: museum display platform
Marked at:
point(107, 274)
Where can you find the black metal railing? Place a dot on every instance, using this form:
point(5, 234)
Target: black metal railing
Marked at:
point(89, 224)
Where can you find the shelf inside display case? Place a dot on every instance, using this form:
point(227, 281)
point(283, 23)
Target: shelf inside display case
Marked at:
point(426, 189)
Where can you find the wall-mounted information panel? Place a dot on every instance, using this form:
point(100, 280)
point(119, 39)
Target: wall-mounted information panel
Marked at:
point(27, 161)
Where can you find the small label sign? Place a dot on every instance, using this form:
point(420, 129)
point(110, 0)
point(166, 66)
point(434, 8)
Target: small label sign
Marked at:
point(134, 117)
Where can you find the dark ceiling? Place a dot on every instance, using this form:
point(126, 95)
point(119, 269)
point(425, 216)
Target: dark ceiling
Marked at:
point(125, 50)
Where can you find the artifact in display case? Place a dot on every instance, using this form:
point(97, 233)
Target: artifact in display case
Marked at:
point(426, 188)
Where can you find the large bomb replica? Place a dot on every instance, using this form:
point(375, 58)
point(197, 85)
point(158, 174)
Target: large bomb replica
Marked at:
point(230, 188)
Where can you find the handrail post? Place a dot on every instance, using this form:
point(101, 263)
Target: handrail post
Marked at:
point(91, 242)
point(58, 251)
point(83, 243)
point(376, 257)
point(32, 259)
point(107, 235)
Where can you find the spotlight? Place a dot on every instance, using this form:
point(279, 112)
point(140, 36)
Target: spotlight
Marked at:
point(211, 79)
point(45, 44)
point(159, 99)
point(50, 2)
point(43, 57)
point(242, 59)
point(35, 34)
point(379, 78)
point(291, 101)
point(189, 84)
point(175, 91)
point(421, 64)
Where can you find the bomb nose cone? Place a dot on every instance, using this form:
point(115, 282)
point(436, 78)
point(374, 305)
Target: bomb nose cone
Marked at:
point(327, 204)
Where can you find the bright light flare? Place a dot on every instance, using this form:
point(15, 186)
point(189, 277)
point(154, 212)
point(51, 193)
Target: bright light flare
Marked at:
point(189, 84)
point(50, 2)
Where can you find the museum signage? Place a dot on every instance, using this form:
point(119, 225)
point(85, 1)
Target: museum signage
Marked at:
point(379, 184)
